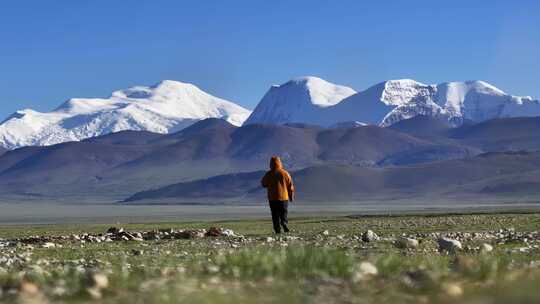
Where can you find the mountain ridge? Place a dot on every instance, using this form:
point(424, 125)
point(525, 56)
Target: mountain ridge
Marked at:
point(170, 106)
point(116, 165)
point(391, 101)
point(129, 160)
point(166, 107)
point(468, 177)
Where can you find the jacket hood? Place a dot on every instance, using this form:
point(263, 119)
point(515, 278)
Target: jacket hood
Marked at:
point(275, 163)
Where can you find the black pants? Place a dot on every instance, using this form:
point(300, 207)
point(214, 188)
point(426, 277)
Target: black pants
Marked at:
point(279, 215)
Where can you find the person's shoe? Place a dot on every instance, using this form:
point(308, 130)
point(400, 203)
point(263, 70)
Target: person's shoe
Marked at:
point(286, 229)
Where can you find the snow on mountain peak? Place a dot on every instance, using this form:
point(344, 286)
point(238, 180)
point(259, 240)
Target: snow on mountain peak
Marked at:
point(169, 106)
point(401, 91)
point(165, 107)
point(298, 100)
point(456, 101)
point(322, 92)
point(389, 102)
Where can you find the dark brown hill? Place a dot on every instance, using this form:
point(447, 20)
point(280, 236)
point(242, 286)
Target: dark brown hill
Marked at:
point(503, 134)
point(123, 163)
point(423, 126)
point(485, 174)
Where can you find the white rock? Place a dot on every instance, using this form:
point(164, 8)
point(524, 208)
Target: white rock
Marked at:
point(404, 243)
point(227, 232)
point(100, 281)
point(486, 248)
point(523, 249)
point(364, 271)
point(370, 236)
point(452, 289)
point(449, 245)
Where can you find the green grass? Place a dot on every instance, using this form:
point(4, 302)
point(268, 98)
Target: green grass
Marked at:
point(314, 268)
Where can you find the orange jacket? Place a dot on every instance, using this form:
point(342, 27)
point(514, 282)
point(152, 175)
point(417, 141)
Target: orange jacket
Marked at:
point(278, 182)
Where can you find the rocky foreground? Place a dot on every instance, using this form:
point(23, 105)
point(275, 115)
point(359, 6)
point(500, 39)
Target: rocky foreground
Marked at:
point(338, 260)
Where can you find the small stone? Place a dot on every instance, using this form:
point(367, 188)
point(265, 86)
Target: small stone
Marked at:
point(100, 281)
point(270, 239)
point(449, 245)
point(228, 232)
point(485, 248)
point(405, 243)
point(364, 271)
point(369, 236)
point(452, 290)
point(326, 232)
point(212, 269)
point(523, 249)
point(48, 245)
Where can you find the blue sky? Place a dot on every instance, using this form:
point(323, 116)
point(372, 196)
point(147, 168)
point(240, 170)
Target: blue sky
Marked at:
point(54, 50)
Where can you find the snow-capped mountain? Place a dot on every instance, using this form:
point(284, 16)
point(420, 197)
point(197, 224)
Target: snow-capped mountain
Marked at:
point(170, 106)
point(456, 101)
point(389, 102)
point(166, 107)
point(303, 100)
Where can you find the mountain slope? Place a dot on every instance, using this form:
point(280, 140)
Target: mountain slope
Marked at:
point(423, 126)
point(392, 101)
point(301, 100)
point(164, 108)
point(213, 147)
point(122, 163)
point(456, 102)
point(503, 134)
point(116, 165)
point(67, 163)
point(486, 174)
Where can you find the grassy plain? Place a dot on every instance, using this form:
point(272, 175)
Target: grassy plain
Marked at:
point(324, 260)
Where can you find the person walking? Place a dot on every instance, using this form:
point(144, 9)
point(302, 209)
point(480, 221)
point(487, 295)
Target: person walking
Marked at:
point(279, 185)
